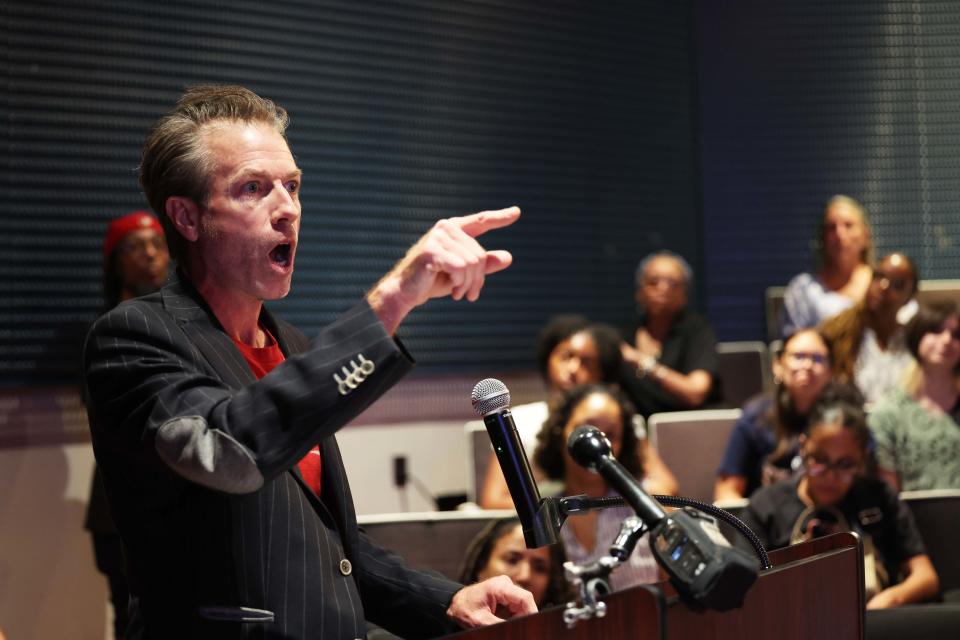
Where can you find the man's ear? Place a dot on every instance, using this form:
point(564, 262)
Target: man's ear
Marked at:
point(185, 216)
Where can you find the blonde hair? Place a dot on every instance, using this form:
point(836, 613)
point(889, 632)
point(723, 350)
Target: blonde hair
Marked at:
point(868, 255)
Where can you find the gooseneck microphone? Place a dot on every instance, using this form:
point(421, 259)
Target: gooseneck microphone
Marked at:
point(538, 518)
point(702, 566)
point(590, 449)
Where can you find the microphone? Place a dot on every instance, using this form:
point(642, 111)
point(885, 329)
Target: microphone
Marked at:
point(702, 566)
point(539, 518)
point(590, 449)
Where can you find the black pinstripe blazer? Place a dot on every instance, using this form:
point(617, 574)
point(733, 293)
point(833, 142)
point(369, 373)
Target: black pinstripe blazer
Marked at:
point(199, 461)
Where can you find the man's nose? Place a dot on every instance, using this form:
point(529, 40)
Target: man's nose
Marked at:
point(287, 207)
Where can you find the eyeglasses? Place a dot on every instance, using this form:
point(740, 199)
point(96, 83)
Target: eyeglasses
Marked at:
point(845, 469)
point(140, 245)
point(897, 284)
point(799, 357)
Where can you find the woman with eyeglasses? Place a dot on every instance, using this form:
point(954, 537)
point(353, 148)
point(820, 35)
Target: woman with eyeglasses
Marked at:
point(869, 343)
point(845, 251)
point(917, 428)
point(763, 445)
point(835, 493)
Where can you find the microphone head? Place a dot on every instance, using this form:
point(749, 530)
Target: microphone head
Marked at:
point(588, 446)
point(490, 395)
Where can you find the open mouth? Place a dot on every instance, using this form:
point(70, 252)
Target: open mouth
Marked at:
point(280, 255)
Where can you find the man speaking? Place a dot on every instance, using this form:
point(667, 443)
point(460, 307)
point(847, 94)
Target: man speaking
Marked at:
point(213, 421)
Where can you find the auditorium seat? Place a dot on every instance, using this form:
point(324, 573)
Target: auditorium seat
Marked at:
point(434, 540)
point(938, 514)
point(691, 444)
point(744, 371)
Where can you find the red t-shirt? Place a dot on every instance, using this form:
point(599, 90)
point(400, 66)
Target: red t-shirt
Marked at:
point(262, 361)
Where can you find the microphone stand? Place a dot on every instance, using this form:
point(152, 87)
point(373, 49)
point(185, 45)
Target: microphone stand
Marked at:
point(592, 579)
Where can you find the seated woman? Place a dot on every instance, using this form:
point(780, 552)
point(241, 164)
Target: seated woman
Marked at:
point(845, 249)
point(587, 537)
point(834, 493)
point(917, 428)
point(570, 351)
point(671, 352)
point(869, 343)
point(764, 446)
point(499, 549)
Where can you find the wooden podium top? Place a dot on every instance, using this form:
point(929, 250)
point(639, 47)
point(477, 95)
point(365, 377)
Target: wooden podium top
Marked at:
point(814, 590)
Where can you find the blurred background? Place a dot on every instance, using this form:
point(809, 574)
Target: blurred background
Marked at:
point(714, 129)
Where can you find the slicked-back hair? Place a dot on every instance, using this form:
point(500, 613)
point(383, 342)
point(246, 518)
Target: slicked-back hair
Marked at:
point(175, 160)
point(551, 443)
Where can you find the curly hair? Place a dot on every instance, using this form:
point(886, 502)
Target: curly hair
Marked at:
point(481, 547)
point(845, 331)
point(557, 329)
point(551, 443)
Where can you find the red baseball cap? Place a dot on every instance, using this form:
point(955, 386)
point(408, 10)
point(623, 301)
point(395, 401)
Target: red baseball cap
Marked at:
point(120, 227)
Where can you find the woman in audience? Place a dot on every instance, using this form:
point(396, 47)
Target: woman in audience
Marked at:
point(764, 444)
point(671, 352)
point(869, 339)
point(917, 428)
point(499, 549)
point(845, 253)
point(570, 351)
point(835, 494)
point(589, 536)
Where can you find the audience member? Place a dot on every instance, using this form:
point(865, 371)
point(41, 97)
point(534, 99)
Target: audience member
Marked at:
point(135, 263)
point(570, 352)
point(587, 537)
point(868, 339)
point(671, 353)
point(845, 250)
point(764, 444)
point(917, 428)
point(834, 494)
point(499, 549)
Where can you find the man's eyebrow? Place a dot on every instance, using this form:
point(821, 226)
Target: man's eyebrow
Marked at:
point(243, 174)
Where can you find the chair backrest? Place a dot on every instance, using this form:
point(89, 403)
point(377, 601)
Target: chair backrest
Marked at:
point(938, 516)
point(478, 456)
point(436, 541)
point(691, 444)
point(773, 304)
point(744, 371)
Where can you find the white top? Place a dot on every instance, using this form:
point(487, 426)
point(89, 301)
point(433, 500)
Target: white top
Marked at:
point(640, 568)
point(878, 371)
point(807, 302)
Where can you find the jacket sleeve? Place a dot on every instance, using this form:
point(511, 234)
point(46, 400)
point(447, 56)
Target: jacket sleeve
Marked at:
point(409, 603)
point(155, 397)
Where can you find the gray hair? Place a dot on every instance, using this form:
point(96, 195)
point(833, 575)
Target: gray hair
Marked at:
point(665, 253)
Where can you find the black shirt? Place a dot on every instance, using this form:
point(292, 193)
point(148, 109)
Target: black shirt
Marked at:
point(690, 345)
point(870, 506)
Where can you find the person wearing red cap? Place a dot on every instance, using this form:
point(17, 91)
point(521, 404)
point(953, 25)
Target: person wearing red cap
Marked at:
point(135, 257)
point(135, 263)
point(213, 420)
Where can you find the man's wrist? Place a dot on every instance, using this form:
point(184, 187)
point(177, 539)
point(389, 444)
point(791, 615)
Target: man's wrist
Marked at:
point(388, 303)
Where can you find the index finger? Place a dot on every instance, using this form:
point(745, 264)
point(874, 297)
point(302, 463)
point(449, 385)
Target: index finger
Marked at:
point(479, 223)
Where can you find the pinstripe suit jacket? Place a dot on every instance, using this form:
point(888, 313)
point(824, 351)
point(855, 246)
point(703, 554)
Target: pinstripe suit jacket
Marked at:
point(199, 461)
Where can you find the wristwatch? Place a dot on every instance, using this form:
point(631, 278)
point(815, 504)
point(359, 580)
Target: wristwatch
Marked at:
point(646, 366)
